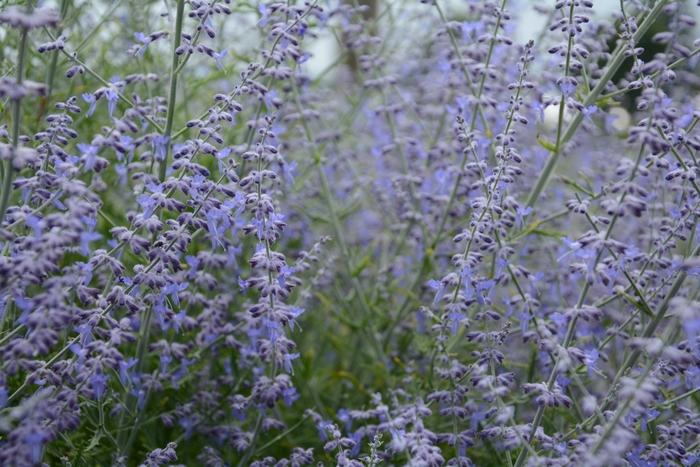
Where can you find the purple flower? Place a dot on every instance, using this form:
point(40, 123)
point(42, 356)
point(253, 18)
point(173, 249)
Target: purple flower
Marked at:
point(591, 357)
point(160, 147)
point(124, 366)
point(439, 289)
point(221, 157)
point(92, 102)
point(35, 224)
point(455, 320)
point(521, 213)
point(285, 271)
point(264, 14)
point(295, 312)
point(173, 289)
point(98, 382)
point(35, 440)
point(287, 361)
point(590, 110)
point(219, 57)
point(112, 98)
point(290, 170)
point(567, 88)
point(144, 40)
point(88, 236)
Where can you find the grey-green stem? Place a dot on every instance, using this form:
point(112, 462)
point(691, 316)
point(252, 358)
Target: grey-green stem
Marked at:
point(8, 171)
point(173, 87)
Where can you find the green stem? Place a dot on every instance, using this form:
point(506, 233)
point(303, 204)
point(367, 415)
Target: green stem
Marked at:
point(109, 15)
point(672, 401)
point(51, 74)
point(430, 250)
point(173, 87)
point(16, 123)
point(654, 323)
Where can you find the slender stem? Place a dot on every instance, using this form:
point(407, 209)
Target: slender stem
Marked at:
point(654, 323)
point(51, 73)
point(266, 64)
point(562, 100)
point(622, 411)
point(109, 307)
point(338, 230)
point(173, 87)
point(258, 423)
point(16, 123)
point(538, 187)
point(670, 402)
point(125, 437)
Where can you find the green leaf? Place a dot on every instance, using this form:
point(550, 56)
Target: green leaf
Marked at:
point(548, 233)
point(329, 304)
point(94, 442)
point(361, 266)
point(573, 184)
point(318, 218)
point(638, 305)
point(532, 229)
point(603, 102)
point(548, 145)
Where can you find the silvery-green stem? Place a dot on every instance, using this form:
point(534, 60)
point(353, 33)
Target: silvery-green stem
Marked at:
point(173, 87)
point(16, 117)
point(51, 73)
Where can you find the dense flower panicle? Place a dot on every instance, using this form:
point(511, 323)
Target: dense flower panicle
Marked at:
point(446, 245)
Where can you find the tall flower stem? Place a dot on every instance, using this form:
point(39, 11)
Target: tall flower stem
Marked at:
point(173, 87)
point(622, 411)
point(16, 117)
point(51, 73)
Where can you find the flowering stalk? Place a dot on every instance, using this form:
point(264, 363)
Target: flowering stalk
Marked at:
point(72, 56)
point(442, 222)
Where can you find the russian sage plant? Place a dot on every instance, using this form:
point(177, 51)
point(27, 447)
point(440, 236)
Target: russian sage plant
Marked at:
point(353, 233)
